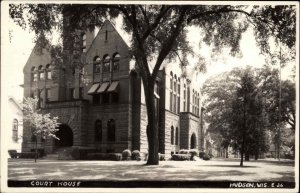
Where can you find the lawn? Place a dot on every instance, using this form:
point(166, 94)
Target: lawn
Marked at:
point(212, 170)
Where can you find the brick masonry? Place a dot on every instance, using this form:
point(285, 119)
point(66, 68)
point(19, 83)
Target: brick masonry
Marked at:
point(129, 113)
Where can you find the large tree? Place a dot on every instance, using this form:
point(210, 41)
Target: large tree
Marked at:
point(159, 32)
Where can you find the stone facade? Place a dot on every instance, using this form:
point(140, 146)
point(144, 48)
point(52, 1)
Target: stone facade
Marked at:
point(108, 112)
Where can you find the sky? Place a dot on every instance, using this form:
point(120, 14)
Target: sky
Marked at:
point(19, 43)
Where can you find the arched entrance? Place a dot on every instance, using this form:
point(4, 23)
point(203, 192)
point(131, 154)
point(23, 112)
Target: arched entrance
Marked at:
point(65, 136)
point(193, 141)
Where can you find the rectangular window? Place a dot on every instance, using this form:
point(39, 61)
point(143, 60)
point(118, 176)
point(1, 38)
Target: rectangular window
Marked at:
point(97, 68)
point(105, 98)
point(116, 66)
point(81, 93)
point(178, 104)
point(96, 99)
point(106, 67)
point(114, 97)
point(171, 101)
point(34, 77)
point(72, 93)
point(49, 75)
point(174, 103)
point(48, 93)
point(42, 76)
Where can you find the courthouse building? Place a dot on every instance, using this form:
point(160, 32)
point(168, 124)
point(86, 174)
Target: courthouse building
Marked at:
point(102, 105)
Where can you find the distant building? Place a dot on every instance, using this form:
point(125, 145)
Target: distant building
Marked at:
point(102, 105)
point(14, 116)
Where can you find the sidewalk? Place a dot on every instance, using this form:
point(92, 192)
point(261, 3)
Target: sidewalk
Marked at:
point(216, 169)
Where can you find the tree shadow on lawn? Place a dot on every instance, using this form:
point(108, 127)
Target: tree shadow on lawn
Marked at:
point(232, 166)
point(286, 176)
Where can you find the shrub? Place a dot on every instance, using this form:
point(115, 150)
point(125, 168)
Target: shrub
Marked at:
point(80, 153)
point(41, 152)
point(97, 156)
point(105, 156)
point(27, 155)
point(13, 153)
point(126, 154)
point(181, 157)
point(201, 154)
point(206, 157)
point(161, 157)
point(136, 155)
point(183, 151)
point(210, 155)
point(194, 152)
point(115, 156)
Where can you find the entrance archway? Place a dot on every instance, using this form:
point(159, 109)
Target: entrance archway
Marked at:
point(193, 141)
point(65, 136)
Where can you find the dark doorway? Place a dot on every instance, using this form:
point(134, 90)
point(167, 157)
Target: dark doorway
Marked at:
point(193, 141)
point(65, 136)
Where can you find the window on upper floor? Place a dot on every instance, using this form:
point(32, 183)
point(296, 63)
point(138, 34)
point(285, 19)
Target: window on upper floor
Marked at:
point(106, 63)
point(97, 64)
point(33, 74)
point(98, 130)
point(48, 72)
point(116, 62)
point(83, 47)
point(15, 130)
point(41, 73)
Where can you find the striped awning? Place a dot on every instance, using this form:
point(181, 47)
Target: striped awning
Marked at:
point(113, 87)
point(93, 88)
point(103, 87)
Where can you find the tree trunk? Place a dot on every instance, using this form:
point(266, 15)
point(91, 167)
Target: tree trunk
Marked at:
point(35, 157)
point(242, 152)
point(152, 127)
point(256, 156)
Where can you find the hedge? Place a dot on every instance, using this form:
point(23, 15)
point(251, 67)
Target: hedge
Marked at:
point(27, 155)
point(194, 152)
point(183, 151)
point(80, 153)
point(41, 152)
point(13, 153)
point(105, 156)
point(181, 157)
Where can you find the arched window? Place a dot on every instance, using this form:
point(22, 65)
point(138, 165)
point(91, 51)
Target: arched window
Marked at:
point(111, 130)
point(41, 73)
point(176, 136)
point(106, 63)
point(193, 141)
point(33, 74)
point(48, 71)
point(98, 130)
point(97, 64)
point(172, 135)
point(116, 62)
point(83, 37)
point(15, 130)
